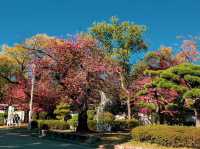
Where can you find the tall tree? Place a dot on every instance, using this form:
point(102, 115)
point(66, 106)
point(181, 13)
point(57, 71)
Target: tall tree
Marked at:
point(76, 66)
point(119, 41)
point(14, 73)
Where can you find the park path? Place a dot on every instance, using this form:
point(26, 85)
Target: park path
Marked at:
point(21, 140)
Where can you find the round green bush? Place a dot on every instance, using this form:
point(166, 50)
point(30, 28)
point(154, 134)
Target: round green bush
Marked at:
point(173, 136)
point(105, 118)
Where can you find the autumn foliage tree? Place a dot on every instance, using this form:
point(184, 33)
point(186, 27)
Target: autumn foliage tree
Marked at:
point(74, 67)
point(182, 79)
point(13, 74)
point(74, 70)
point(152, 70)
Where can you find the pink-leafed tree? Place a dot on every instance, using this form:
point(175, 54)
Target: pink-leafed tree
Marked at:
point(75, 67)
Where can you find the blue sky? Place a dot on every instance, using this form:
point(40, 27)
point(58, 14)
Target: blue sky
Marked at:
point(165, 19)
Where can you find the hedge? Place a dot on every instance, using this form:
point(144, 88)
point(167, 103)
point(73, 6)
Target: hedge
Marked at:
point(173, 136)
point(53, 124)
point(125, 124)
point(116, 124)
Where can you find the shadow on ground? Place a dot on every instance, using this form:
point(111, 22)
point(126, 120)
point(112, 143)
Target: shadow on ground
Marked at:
point(23, 139)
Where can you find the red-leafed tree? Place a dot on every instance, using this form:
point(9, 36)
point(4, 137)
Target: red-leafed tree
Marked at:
point(46, 94)
point(157, 100)
point(149, 97)
point(14, 94)
point(75, 66)
point(13, 70)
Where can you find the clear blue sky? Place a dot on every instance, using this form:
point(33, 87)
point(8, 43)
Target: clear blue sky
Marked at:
point(165, 19)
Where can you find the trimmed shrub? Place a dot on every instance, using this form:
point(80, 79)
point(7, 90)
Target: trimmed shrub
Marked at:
point(92, 124)
point(116, 124)
point(174, 136)
point(106, 118)
point(91, 114)
point(53, 124)
point(124, 124)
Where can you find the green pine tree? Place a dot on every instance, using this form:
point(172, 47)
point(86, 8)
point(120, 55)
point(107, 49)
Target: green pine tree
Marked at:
point(62, 109)
point(185, 79)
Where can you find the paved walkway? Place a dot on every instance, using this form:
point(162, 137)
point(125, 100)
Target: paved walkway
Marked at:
point(11, 139)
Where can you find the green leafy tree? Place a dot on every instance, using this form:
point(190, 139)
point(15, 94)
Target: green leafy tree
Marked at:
point(120, 40)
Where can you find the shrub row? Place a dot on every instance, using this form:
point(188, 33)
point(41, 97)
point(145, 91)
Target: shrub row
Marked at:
point(116, 124)
point(125, 124)
point(174, 136)
point(53, 124)
point(59, 124)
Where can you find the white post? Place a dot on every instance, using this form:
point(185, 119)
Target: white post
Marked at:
point(31, 100)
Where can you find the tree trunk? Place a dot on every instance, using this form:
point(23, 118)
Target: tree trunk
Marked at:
point(197, 116)
point(82, 122)
point(128, 97)
point(82, 117)
point(162, 118)
point(129, 108)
